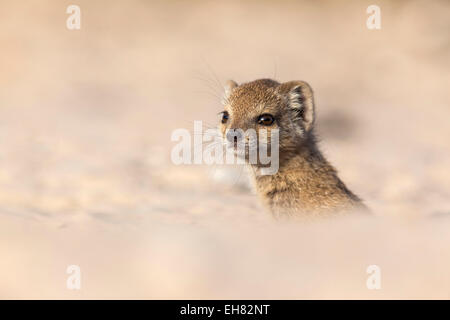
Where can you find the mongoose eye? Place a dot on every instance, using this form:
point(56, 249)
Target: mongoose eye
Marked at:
point(225, 116)
point(266, 119)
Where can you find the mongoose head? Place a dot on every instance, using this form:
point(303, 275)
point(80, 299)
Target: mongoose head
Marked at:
point(263, 106)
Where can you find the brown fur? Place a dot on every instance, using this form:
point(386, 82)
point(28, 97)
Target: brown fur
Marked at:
point(305, 184)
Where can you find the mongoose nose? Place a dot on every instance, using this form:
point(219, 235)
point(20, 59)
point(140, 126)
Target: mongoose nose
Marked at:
point(234, 135)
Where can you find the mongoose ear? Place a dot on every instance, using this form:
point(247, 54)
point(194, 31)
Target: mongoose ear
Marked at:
point(300, 98)
point(229, 86)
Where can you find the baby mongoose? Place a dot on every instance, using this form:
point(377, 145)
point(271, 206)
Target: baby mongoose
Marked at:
point(305, 183)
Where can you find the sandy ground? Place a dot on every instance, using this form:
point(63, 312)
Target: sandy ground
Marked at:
point(85, 171)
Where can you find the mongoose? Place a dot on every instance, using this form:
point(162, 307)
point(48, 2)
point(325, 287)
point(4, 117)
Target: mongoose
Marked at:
point(306, 184)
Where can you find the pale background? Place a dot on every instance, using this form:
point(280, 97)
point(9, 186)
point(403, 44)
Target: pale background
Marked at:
point(85, 170)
